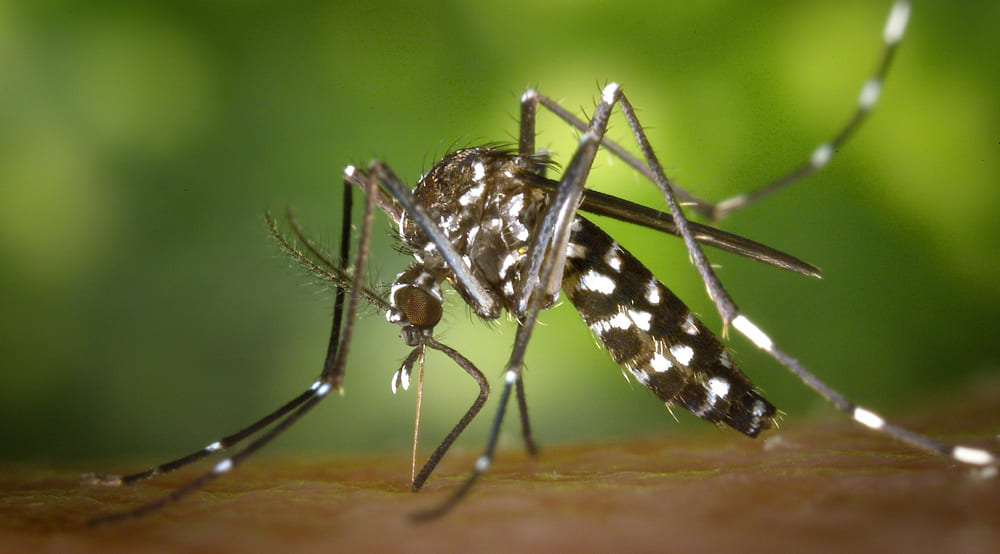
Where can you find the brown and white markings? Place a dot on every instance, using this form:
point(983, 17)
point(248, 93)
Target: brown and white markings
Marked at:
point(652, 334)
point(485, 205)
point(508, 238)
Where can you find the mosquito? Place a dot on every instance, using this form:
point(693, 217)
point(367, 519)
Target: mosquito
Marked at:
point(491, 222)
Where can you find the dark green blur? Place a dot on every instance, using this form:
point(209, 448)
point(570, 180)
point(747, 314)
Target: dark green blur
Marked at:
point(146, 311)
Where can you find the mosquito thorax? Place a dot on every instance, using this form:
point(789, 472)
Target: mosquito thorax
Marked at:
point(480, 199)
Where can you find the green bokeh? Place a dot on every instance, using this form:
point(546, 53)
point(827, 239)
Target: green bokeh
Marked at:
point(146, 311)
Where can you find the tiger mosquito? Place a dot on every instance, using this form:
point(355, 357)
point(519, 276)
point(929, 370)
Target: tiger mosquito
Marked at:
point(505, 236)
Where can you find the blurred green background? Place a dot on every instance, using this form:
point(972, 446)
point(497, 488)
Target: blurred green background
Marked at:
point(146, 310)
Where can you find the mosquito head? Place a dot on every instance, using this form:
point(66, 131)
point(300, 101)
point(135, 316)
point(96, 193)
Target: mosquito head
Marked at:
point(421, 311)
point(415, 303)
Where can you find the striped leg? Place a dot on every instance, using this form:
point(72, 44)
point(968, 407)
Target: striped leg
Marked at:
point(892, 35)
point(330, 378)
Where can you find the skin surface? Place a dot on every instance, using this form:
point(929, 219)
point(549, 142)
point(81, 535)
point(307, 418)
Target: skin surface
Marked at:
point(817, 486)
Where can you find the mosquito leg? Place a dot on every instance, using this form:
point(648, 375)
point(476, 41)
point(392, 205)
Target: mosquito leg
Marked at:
point(470, 414)
point(330, 378)
point(231, 440)
point(731, 314)
point(217, 446)
point(895, 27)
point(338, 304)
point(224, 466)
point(542, 281)
point(529, 110)
point(522, 405)
point(482, 463)
point(526, 147)
point(529, 103)
point(543, 277)
point(892, 34)
point(964, 454)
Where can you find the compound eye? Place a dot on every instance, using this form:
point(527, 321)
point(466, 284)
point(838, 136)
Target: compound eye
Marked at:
point(421, 308)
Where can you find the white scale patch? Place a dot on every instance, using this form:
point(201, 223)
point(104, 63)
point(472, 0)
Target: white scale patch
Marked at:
point(447, 223)
point(396, 286)
point(596, 282)
point(641, 376)
point(641, 319)
point(425, 280)
point(653, 293)
point(574, 250)
point(400, 378)
point(821, 155)
point(482, 464)
point(516, 204)
point(757, 411)
point(514, 208)
point(518, 229)
point(624, 320)
point(618, 321)
point(869, 94)
point(478, 171)
point(660, 363)
point(688, 325)
point(973, 456)
point(508, 261)
point(609, 92)
point(621, 321)
point(223, 466)
point(613, 257)
point(717, 388)
point(753, 333)
point(868, 418)
point(472, 195)
point(896, 24)
point(682, 353)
